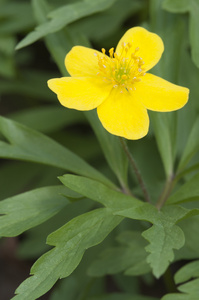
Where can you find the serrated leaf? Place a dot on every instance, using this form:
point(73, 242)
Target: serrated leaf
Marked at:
point(63, 16)
point(192, 146)
point(27, 144)
point(163, 236)
point(163, 239)
point(70, 242)
point(187, 272)
point(111, 147)
point(27, 210)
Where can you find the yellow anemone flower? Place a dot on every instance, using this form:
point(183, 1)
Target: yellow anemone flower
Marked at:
point(118, 85)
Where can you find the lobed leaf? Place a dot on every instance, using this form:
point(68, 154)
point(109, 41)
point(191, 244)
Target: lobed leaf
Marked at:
point(70, 241)
point(27, 210)
point(163, 236)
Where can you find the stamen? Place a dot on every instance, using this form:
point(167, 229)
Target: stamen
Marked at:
point(120, 70)
point(111, 52)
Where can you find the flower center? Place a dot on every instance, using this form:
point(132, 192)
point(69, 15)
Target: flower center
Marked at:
point(122, 70)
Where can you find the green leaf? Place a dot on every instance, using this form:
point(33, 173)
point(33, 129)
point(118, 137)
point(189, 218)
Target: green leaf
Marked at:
point(163, 139)
point(15, 17)
point(193, 31)
point(63, 16)
point(115, 200)
point(38, 118)
point(163, 236)
point(187, 272)
point(171, 29)
point(180, 297)
point(187, 192)
point(190, 291)
point(190, 249)
point(163, 239)
point(70, 242)
point(27, 210)
point(27, 144)
point(111, 147)
point(192, 146)
point(122, 296)
point(114, 16)
point(191, 6)
point(176, 6)
point(129, 258)
point(30, 84)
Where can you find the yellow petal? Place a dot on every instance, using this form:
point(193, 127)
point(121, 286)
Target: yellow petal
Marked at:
point(82, 93)
point(82, 61)
point(160, 95)
point(150, 46)
point(121, 114)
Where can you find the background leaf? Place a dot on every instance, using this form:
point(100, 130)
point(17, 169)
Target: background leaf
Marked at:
point(27, 144)
point(111, 148)
point(27, 210)
point(63, 16)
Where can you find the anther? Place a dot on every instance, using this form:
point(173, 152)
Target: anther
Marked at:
point(103, 51)
point(111, 52)
point(124, 77)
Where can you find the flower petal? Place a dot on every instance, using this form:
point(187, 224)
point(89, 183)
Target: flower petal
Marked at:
point(160, 95)
point(121, 114)
point(150, 46)
point(82, 93)
point(82, 61)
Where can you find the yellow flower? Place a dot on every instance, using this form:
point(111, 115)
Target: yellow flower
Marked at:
point(118, 85)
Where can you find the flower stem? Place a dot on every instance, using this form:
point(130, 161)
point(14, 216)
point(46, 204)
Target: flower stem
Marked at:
point(166, 192)
point(135, 168)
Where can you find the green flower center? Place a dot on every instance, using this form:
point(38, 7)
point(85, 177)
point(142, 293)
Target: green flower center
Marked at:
point(122, 70)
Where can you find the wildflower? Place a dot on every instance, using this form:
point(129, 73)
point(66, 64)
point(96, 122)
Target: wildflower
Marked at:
point(118, 85)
